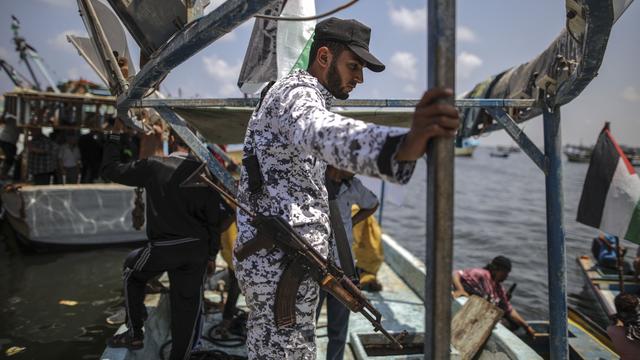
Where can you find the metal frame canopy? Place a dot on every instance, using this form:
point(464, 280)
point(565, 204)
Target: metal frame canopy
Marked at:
point(540, 86)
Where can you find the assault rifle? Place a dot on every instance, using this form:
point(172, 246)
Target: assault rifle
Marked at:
point(301, 259)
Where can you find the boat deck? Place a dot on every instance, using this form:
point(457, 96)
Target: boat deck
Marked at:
point(402, 309)
point(402, 276)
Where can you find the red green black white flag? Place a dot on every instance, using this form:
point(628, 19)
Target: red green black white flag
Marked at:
point(610, 198)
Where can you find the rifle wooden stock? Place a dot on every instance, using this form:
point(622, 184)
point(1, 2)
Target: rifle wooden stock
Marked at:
point(334, 287)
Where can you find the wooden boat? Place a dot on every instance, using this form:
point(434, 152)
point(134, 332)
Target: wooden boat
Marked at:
point(467, 147)
point(71, 215)
point(605, 283)
point(578, 153)
point(587, 340)
point(66, 215)
point(464, 151)
point(400, 302)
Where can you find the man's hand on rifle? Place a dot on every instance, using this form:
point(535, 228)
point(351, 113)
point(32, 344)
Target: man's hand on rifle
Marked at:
point(432, 118)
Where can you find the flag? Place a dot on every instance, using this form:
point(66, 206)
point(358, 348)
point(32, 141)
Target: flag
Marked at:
point(610, 198)
point(277, 47)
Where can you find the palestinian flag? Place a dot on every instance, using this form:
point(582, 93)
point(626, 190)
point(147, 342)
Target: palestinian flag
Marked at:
point(611, 195)
point(277, 47)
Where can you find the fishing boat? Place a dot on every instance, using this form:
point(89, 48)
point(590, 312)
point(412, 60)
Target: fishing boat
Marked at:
point(587, 340)
point(401, 303)
point(497, 153)
point(467, 147)
point(179, 30)
point(66, 215)
point(605, 283)
point(578, 153)
point(52, 216)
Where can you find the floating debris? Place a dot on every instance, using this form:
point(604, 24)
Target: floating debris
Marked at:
point(14, 300)
point(14, 350)
point(68, 302)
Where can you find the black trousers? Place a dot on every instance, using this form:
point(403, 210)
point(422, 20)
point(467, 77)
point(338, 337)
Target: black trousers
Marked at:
point(337, 325)
point(90, 171)
point(186, 264)
point(9, 150)
point(44, 179)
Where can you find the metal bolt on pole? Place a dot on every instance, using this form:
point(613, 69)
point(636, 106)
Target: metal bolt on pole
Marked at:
point(440, 73)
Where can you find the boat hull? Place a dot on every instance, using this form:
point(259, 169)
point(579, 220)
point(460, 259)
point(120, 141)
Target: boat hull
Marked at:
point(586, 340)
point(72, 215)
point(605, 285)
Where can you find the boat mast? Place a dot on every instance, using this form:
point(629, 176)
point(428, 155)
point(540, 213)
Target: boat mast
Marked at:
point(440, 73)
point(27, 52)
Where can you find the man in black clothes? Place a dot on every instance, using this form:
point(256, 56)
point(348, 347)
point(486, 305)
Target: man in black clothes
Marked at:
point(183, 227)
point(90, 145)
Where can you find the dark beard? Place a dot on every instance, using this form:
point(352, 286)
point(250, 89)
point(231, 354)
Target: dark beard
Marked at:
point(334, 82)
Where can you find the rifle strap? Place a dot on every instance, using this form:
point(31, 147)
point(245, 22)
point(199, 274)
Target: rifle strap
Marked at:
point(340, 234)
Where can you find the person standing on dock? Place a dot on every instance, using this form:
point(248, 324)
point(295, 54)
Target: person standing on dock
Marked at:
point(291, 137)
point(487, 283)
point(183, 227)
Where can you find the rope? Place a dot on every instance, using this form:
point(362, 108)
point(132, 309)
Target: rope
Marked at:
point(234, 335)
point(306, 18)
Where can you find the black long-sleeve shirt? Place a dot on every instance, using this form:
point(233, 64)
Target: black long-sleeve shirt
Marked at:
point(173, 212)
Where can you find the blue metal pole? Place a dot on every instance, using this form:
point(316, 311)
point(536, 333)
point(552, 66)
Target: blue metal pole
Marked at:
point(440, 172)
point(555, 236)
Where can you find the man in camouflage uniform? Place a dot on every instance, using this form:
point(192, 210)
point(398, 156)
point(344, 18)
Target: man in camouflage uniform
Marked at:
point(294, 136)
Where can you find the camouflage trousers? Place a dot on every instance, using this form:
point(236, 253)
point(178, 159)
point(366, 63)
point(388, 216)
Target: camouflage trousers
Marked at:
point(258, 276)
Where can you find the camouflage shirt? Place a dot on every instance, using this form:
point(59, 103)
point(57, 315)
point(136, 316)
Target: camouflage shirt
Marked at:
point(295, 136)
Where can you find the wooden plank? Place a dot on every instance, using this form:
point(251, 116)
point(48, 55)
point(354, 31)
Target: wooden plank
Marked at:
point(472, 325)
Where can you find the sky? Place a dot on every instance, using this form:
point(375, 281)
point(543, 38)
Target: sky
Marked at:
point(493, 35)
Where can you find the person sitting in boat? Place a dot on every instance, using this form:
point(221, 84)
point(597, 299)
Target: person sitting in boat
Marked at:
point(183, 227)
point(603, 249)
point(487, 283)
point(625, 330)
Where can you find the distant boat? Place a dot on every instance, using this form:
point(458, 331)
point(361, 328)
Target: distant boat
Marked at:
point(469, 145)
point(578, 153)
point(633, 154)
point(500, 152)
